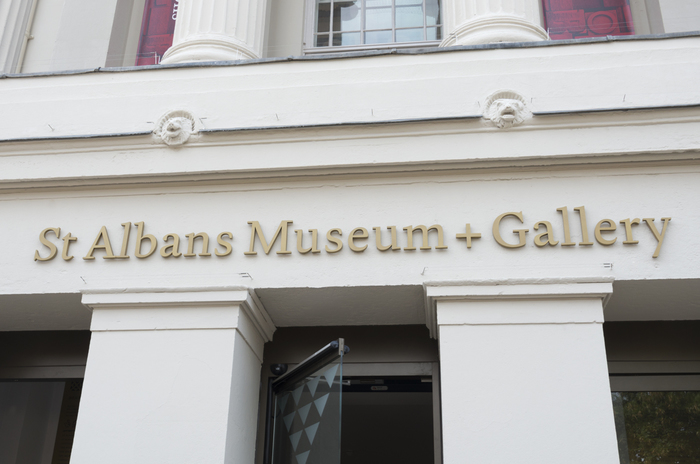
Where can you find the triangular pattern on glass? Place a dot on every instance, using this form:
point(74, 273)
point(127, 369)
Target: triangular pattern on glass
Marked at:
point(304, 412)
point(295, 439)
point(329, 374)
point(302, 457)
point(288, 419)
point(282, 401)
point(321, 403)
point(313, 383)
point(311, 431)
point(296, 394)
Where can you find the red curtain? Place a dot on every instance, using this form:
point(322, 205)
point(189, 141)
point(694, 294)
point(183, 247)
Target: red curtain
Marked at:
point(574, 19)
point(157, 30)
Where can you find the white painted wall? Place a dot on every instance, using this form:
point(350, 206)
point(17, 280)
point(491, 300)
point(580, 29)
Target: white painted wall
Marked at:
point(285, 28)
point(168, 382)
point(69, 34)
point(75, 34)
point(525, 380)
point(633, 164)
point(680, 15)
point(450, 200)
point(372, 89)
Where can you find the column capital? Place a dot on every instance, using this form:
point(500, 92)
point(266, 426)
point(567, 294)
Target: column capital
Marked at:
point(516, 289)
point(218, 30)
point(191, 308)
point(474, 22)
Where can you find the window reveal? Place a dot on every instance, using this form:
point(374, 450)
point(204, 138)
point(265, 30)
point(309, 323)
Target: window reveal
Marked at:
point(576, 19)
point(373, 22)
point(157, 30)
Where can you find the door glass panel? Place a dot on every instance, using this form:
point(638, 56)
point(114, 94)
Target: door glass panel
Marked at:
point(307, 411)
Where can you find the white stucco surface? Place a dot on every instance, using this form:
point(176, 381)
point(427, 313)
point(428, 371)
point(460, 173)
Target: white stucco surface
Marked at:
point(517, 388)
point(160, 393)
point(680, 15)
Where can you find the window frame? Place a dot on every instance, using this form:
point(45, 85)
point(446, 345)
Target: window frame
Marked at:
point(308, 47)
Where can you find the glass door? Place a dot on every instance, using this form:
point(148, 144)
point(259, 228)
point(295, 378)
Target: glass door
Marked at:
point(304, 409)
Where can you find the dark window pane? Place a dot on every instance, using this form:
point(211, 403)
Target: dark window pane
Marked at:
point(324, 17)
point(322, 40)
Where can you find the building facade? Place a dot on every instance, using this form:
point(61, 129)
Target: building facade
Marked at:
point(492, 203)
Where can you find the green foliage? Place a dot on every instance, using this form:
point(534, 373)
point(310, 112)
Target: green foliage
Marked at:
point(663, 427)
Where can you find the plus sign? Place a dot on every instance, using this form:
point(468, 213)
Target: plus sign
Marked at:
point(468, 236)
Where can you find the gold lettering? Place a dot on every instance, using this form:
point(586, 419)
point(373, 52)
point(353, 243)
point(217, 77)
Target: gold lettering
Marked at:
point(190, 244)
point(394, 242)
point(66, 243)
point(314, 241)
point(567, 231)
point(359, 233)
point(584, 226)
point(654, 230)
point(468, 236)
point(424, 232)
point(220, 240)
point(44, 241)
point(257, 231)
point(549, 234)
point(338, 242)
point(497, 233)
point(600, 228)
point(107, 247)
point(125, 241)
point(172, 249)
point(140, 237)
point(629, 240)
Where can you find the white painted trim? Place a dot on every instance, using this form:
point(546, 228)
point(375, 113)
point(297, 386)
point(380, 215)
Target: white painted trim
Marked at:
point(16, 18)
point(195, 308)
point(213, 151)
point(524, 289)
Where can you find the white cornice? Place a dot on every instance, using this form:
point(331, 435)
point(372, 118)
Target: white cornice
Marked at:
point(523, 289)
point(134, 298)
point(561, 140)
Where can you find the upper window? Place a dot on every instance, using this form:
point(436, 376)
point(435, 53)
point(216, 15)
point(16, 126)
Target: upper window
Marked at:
point(157, 29)
point(362, 23)
point(575, 19)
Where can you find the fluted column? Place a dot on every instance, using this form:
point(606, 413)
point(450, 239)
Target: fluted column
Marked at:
point(14, 15)
point(217, 30)
point(473, 22)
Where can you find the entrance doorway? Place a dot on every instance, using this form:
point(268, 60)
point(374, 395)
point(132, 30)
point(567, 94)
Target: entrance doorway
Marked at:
point(387, 419)
point(387, 388)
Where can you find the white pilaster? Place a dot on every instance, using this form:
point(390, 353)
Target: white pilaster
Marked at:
point(171, 377)
point(14, 17)
point(217, 30)
point(473, 22)
point(524, 372)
